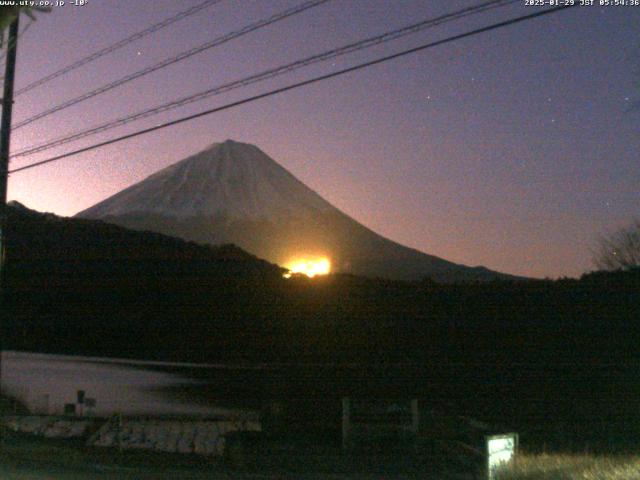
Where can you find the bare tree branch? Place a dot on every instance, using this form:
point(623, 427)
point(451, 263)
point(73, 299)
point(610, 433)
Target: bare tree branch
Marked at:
point(619, 250)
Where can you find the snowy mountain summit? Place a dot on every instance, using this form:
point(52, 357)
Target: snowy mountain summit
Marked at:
point(233, 192)
point(233, 179)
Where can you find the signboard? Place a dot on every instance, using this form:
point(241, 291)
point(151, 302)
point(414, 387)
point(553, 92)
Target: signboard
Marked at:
point(500, 450)
point(364, 419)
point(381, 412)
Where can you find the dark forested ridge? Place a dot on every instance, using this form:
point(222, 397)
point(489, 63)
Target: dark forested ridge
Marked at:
point(520, 350)
point(87, 286)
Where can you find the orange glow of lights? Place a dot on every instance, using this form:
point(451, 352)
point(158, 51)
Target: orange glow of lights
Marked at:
point(308, 266)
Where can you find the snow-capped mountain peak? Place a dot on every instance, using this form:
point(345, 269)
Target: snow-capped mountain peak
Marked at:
point(230, 179)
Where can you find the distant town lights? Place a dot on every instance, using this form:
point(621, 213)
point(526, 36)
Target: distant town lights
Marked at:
point(308, 266)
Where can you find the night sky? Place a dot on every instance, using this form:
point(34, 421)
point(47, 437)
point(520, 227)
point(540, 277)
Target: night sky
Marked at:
point(514, 149)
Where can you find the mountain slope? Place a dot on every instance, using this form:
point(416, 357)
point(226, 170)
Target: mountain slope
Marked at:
point(234, 193)
point(230, 179)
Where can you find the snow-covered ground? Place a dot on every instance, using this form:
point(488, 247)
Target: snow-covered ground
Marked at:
point(204, 437)
point(89, 386)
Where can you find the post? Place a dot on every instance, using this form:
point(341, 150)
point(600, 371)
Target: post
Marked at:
point(80, 401)
point(5, 137)
point(415, 416)
point(415, 423)
point(119, 435)
point(346, 422)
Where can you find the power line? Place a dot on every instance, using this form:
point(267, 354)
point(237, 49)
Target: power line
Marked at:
point(295, 86)
point(122, 43)
point(170, 61)
point(265, 75)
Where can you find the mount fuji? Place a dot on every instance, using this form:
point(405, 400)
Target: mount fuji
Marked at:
point(233, 192)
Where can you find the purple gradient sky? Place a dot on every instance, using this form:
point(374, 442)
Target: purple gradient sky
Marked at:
point(514, 149)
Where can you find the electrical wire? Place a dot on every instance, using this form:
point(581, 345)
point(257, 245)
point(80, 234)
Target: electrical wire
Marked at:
point(175, 59)
point(267, 74)
point(122, 43)
point(296, 85)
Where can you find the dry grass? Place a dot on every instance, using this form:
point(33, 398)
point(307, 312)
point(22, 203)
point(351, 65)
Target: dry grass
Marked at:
point(573, 467)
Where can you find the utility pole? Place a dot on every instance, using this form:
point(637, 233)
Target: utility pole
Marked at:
point(5, 137)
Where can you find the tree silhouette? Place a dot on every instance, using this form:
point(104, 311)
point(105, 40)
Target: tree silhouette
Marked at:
point(619, 250)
